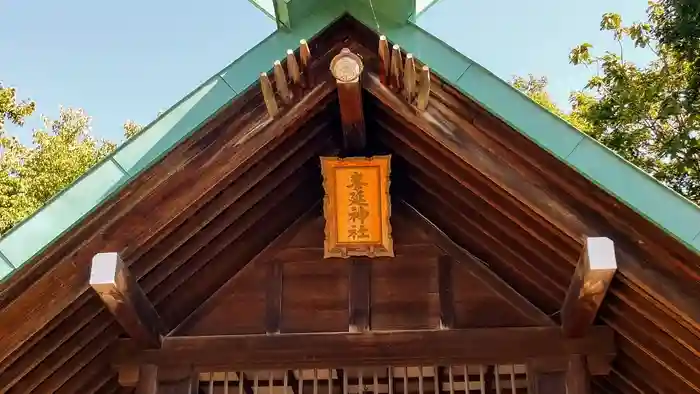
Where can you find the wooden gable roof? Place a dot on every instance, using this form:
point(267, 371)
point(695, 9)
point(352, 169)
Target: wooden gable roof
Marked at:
point(192, 221)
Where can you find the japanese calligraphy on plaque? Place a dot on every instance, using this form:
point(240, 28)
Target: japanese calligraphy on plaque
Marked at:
point(356, 206)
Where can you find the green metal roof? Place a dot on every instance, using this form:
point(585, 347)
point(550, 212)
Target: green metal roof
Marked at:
point(304, 19)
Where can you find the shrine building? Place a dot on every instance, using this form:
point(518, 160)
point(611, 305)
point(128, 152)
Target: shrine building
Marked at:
point(354, 207)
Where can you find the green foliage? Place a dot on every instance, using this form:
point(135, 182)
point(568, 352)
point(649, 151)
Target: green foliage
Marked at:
point(30, 175)
point(677, 26)
point(11, 109)
point(647, 114)
point(131, 128)
point(61, 152)
point(536, 89)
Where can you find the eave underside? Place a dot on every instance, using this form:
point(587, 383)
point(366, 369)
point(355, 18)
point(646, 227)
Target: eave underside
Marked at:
point(488, 188)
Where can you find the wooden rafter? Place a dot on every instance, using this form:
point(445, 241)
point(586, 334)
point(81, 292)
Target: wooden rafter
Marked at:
point(588, 287)
point(125, 299)
point(329, 350)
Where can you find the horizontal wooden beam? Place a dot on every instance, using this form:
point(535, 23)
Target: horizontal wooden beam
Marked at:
point(380, 348)
point(588, 287)
point(125, 299)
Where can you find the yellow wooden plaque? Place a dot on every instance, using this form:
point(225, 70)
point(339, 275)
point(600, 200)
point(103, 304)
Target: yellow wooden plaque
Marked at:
point(356, 206)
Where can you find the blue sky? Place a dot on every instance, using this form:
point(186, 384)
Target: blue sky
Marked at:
point(131, 59)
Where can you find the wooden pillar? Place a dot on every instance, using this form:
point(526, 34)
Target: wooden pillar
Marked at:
point(360, 295)
point(577, 377)
point(273, 297)
point(177, 381)
point(150, 379)
point(545, 381)
point(570, 377)
point(347, 68)
point(447, 313)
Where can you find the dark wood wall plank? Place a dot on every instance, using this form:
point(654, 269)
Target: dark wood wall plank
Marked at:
point(237, 308)
point(405, 293)
point(316, 296)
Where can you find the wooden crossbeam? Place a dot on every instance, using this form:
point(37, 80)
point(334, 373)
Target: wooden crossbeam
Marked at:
point(125, 299)
point(380, 348)
point(594, 272)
